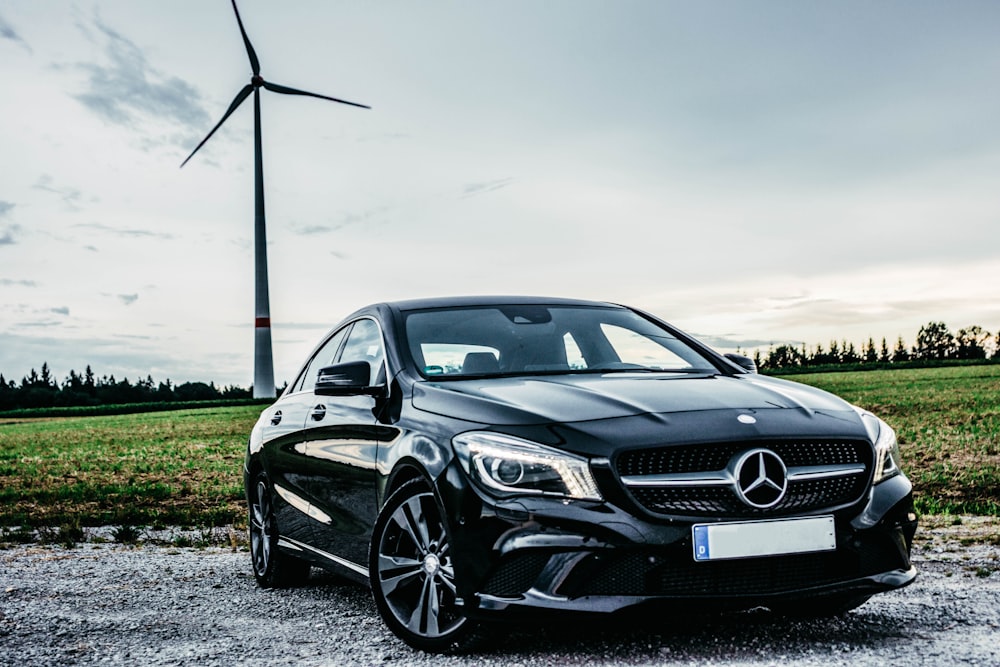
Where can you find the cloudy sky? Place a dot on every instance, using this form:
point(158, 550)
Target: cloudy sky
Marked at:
point(754, 172)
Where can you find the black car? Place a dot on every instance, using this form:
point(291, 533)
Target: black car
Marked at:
point(476, 458)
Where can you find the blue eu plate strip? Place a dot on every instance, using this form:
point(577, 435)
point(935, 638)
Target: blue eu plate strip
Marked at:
point(701, 543)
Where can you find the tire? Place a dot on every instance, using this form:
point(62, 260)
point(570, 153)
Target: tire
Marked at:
point(411, 573)
point(820, 607)
point(271, 567)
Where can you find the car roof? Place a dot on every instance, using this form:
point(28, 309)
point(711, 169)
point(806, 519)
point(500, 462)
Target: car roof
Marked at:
point(494, 300)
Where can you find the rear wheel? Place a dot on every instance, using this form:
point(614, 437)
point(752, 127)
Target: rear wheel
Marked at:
point(412, 577)
point(271, 567)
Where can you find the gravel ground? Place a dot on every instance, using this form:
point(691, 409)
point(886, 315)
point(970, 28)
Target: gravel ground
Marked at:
point(159, 604)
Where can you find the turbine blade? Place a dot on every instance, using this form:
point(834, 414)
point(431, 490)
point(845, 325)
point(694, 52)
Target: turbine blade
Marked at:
point(254, 63)
point(237, 101)
point(276, 88)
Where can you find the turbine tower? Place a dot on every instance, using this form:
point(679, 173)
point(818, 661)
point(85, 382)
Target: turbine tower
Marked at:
point(263, 374)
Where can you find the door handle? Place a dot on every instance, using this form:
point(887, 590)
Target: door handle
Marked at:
point(276, 418)
point(319, 412)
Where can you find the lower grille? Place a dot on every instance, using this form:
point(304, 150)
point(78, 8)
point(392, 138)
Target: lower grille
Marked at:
point(677, 574)
point(515, 574)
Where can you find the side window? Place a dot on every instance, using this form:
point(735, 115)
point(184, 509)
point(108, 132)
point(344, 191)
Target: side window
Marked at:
point(326, 356)
point(365, 344)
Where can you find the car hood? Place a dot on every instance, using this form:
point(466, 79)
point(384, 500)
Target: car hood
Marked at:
point(577, 398)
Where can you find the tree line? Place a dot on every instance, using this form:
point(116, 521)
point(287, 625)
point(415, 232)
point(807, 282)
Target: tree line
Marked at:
point(42, 390)
point(935, 343)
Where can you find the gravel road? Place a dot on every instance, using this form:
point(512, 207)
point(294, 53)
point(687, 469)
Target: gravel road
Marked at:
point(164, 605)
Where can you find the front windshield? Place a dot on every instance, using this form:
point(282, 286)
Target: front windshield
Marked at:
point(530, 340)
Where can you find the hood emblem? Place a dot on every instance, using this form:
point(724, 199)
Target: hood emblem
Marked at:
point(761, 478)
point(746, 419)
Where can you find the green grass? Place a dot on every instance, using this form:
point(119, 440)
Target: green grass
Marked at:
point(948, 424)
point(184, 467)
point(160, 468)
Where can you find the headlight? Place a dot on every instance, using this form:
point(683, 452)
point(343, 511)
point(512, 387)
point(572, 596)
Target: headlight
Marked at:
point(886, 446)
point(507, 465)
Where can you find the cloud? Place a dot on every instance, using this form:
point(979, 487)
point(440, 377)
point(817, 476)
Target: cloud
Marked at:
point(7, 32)
point(472, 189)
point(62, 310)
point(6, 207)
point(127, 89)
point(733, 342)
point(128, 299)
point(7, 234)
point(7, 282)
point(372, 216)
point(118, 231)
point(309, 230)
point(70, 196)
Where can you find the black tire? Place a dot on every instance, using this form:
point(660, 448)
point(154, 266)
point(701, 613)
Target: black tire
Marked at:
point(820, 607)
point(271, 567)
point(412, 578)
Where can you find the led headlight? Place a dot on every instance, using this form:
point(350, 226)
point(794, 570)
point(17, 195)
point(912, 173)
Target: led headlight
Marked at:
point(505, 465)
point(886, 446)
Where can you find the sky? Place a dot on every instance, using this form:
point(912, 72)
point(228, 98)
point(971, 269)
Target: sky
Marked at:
point(756, 173)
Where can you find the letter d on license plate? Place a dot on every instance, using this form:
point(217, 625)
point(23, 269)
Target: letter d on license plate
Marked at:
point(749, 539)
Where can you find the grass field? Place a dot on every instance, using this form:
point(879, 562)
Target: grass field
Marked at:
point(155, 468)
point(948, 424)
point(184, 467)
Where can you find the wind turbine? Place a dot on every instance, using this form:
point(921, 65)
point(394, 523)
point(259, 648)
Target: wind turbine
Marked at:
point(263, 374)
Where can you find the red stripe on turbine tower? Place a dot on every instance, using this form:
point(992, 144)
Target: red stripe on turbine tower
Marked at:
point(262, 322)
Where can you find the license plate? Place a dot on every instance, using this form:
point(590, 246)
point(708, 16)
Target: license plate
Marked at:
point(749, 539)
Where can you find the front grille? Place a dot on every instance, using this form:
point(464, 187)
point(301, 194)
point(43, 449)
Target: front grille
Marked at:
point(722, 500)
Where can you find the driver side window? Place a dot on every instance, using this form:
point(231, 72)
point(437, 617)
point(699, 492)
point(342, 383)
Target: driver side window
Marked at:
point(365, 344)
point(326, 356)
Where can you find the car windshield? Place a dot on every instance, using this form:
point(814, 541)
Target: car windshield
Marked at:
point(533, 340)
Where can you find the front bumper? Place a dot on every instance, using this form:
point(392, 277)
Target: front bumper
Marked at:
point(539, 554)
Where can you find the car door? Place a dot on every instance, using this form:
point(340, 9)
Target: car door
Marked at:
point(283, 454)
point(341, 438)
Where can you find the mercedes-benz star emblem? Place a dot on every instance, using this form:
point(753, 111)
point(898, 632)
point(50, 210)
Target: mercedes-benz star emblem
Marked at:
point(761, 478)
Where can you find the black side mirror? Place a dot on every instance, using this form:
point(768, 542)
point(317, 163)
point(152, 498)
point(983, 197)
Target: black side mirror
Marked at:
point(349, 379)
point(746, 363)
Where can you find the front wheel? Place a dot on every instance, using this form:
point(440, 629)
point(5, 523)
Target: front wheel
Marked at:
point(412, 577)
point(271, 568)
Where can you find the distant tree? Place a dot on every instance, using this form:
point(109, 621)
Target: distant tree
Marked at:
point(196, 391)
point(8, 393)
point(996, 347)
point(783, 356)
point(971, 342)
point(900, 352)
point(834, 353)
point(46, 377)
point(849, 355)
point(934, 341)
point(883, 354)
point(869, 354)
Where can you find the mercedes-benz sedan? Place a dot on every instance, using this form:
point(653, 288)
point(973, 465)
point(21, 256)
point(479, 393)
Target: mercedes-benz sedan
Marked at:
point(475, 458)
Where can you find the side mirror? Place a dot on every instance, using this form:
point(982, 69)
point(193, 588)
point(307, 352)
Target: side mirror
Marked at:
point(746, 363)
point(349, 379)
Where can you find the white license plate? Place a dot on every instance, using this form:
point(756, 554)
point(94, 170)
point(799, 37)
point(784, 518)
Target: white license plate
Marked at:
point(749, 539)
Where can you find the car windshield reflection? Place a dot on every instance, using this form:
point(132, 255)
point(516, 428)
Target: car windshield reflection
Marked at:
point(487, 342)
